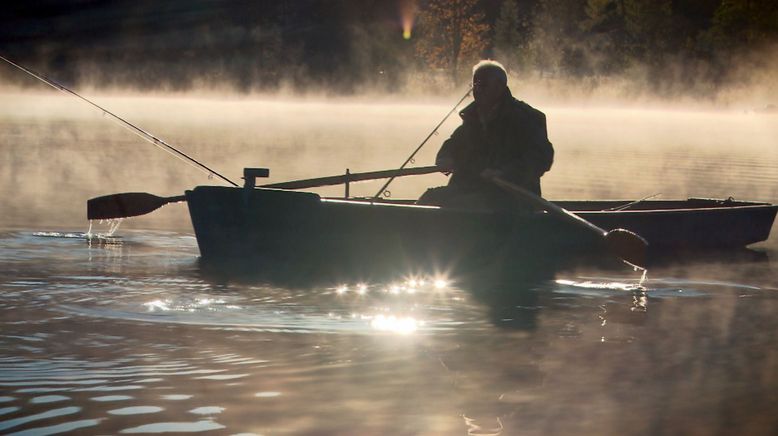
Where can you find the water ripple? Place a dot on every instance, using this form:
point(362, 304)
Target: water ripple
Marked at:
point(48, 399)
point(136, 410)
point(59, 428)
point(176, 397)
point(7, 410)
point(4, 425)
point(208, 410)
point(106, 398)
point(169, 427)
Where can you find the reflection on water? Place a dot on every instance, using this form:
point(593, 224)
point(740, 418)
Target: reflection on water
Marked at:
point(133, 338)
point(135, 410)
point(112, 398)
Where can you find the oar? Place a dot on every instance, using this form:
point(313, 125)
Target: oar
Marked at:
point(126, 205)
point(130, 204)
point(626, 245)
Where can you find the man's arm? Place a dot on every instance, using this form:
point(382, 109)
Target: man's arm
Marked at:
point(446, 157)
point(444, 160)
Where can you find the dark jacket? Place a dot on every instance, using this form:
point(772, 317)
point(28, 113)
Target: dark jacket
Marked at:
point(514, 141)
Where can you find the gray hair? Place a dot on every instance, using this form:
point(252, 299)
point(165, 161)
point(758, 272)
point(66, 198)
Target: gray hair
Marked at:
point(492, 67)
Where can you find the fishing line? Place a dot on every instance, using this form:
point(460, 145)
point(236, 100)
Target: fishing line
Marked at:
point(632, 203)
point(159, 143)
point(434, 131)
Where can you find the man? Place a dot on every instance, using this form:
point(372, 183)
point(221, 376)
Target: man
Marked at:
point(499, 136)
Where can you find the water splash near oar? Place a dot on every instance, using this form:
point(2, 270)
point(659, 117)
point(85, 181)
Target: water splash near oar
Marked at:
point(643, 276)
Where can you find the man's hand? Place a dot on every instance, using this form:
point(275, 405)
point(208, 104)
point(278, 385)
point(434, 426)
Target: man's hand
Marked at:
point(445, 163)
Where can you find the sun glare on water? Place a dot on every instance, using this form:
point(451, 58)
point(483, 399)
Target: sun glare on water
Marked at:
point(394, 324)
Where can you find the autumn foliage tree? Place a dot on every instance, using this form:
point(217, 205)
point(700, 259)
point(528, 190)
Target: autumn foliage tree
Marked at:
point(452, 35)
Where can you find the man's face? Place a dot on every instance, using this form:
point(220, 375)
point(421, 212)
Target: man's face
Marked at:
point(487, 88)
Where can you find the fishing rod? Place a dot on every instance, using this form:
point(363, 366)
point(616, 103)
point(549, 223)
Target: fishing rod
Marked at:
point(434, 131)
point(126, 124)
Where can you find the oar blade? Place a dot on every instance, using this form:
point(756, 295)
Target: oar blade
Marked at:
point(123, 205)
point(628, 246)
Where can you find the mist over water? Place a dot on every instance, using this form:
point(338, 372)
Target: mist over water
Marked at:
point(57, 152)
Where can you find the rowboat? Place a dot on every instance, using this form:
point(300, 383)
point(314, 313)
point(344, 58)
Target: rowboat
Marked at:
point(272, 226)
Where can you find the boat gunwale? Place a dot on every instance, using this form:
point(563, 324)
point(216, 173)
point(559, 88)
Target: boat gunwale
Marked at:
point(685, 210)
point(743, 204)
point(752, 205)
point(378, 203)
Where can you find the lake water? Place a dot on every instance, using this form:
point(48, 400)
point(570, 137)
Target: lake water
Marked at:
point(130, 335)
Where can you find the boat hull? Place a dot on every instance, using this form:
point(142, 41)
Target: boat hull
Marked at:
point(275, 229)
point(694, 224)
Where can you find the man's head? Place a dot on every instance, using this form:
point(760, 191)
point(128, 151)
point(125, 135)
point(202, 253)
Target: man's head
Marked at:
point(489, 83)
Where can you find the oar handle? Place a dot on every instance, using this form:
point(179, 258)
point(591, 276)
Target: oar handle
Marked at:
point(552, 208)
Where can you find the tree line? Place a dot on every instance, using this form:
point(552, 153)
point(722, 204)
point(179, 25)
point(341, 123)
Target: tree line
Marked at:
point(693, 46)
